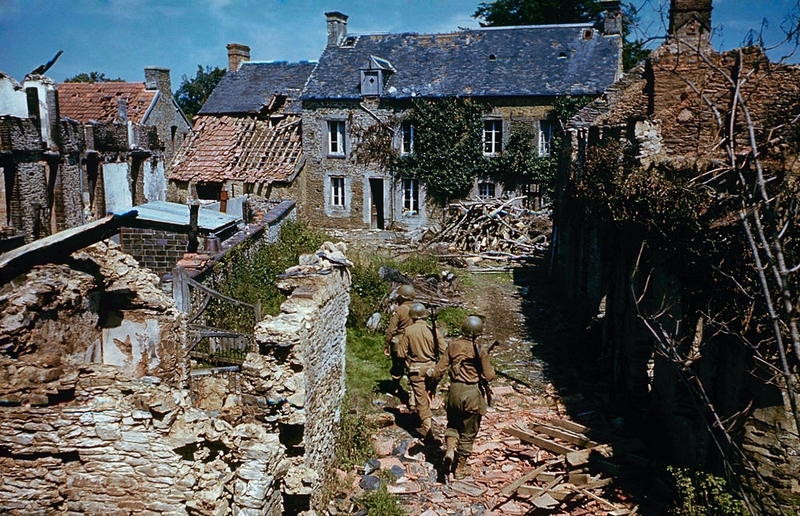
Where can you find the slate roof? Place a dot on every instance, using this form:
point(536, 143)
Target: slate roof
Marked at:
point(240, 148)
point(541, 60)
point(252, 88)
point(97, 102)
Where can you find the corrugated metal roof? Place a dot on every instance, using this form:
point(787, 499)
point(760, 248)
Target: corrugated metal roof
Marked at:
point(542, 60)
point(177, 215)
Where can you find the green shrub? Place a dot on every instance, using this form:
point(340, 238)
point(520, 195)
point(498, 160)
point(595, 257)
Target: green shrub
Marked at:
point(253, 280)
point(702, 494)
point(381, 503)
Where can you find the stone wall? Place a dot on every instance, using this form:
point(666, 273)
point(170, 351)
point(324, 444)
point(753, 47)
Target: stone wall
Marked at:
point(94, 423)
point(316, 208)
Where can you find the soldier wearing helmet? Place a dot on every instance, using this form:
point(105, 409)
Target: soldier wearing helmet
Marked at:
point(421, 351)
point(397, 325)
point(468, 365)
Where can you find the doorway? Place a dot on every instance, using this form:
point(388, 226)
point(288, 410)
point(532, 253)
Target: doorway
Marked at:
point(376, 203)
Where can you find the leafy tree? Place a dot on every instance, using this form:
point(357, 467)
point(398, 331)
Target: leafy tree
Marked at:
point(92, 77)
point(501, 13)
point(535, 12)
point(193, 93)
point(448, 147)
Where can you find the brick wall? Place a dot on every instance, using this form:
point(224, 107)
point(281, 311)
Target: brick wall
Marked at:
point(158, 250)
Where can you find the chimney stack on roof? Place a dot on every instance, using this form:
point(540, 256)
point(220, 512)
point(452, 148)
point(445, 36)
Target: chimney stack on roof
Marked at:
point(337, 28)
point(156, 78)
point(237, 54)
point(612, 17)
point(689, 19)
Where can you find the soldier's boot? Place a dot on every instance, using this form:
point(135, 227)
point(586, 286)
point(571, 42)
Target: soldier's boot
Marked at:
point(462, 468)
point(412, 401)
point(426, 430)
point(449, 453)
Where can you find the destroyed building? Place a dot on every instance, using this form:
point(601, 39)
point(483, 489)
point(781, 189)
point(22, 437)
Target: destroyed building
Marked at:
point(247, 135)
point(103, 411)
point(651, 235)
point(73, 152)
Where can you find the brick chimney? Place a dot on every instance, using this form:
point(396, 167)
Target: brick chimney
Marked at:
point(690, 19)
point(337, 28)
point(612, 17)
point(156, 78)
point(237, 54)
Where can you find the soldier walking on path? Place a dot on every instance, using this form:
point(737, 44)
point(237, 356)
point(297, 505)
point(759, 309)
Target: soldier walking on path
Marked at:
point(468, 398)
point(421, 351)
point(397, 326)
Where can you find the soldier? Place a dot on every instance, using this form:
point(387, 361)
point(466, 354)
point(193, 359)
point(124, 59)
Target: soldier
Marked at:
point(470, 370)
point(421, 351)
point(397, 326)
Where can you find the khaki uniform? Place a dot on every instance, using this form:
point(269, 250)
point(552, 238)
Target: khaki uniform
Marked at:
point(420, 349)
point(397, 326)
point(465, 403)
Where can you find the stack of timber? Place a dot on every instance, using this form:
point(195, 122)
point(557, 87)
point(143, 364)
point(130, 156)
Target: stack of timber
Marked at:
point(579, 469)
point(493, 229)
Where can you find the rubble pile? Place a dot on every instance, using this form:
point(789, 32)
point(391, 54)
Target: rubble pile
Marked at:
point(493, 229)
point(528, 458)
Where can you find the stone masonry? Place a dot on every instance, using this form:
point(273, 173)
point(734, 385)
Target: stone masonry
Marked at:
point(97, 421)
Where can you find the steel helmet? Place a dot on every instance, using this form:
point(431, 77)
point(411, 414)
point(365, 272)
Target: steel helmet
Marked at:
point(406, 292)
point(473, 326)
point(417, 311)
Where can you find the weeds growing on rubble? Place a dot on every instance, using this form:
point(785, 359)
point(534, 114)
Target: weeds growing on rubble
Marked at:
point(381, 503)
point(702, 494)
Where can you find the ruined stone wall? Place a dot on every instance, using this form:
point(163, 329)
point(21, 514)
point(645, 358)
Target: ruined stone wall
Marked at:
point(304, 347)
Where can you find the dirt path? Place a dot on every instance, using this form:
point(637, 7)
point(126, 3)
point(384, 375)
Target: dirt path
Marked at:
point(533, 387)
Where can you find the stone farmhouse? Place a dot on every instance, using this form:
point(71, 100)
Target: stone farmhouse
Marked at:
point(73, 152)
point(671, 121)
point(367, 79)
point(247, 136)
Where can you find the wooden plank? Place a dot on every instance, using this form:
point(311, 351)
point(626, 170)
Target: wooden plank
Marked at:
point(538, 440)
point(512, 487)
point(569, 425)
point(565, 435)
point(580, 457)
point(562, 495)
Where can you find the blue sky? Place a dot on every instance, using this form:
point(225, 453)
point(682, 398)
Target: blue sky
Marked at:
point(121, 37)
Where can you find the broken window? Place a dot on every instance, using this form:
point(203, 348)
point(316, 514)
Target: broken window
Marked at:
point(337, 192)
point(336, 138)
point(407, 134)
point(545, 137)
point(410, 195)
point(486, 190)
point(492, 137)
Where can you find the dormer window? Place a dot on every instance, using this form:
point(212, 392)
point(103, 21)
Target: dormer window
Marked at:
point(371, 82)
point(374, 76)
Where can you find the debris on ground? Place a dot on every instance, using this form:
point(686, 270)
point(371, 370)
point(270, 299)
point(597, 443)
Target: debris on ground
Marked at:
point(492, 229)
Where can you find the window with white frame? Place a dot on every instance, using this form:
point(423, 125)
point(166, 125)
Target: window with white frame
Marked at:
point(407, 135)
point(486, 190)
point(492, 137)
point(337, 192)
point(410, 195)
point(336, 138)
point(545, 137)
